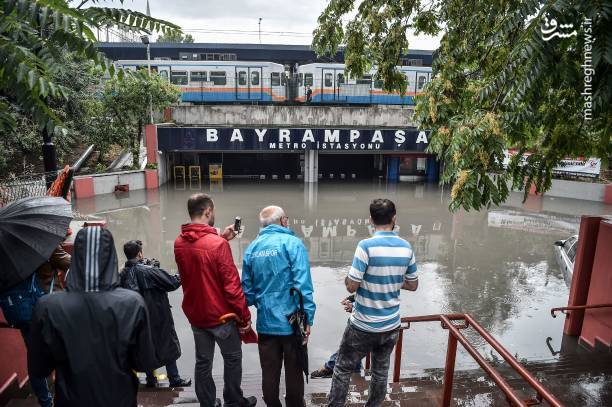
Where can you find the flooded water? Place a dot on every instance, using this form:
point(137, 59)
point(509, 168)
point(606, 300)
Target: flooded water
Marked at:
point(497, 265)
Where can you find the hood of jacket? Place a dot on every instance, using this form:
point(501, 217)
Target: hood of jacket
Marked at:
point(94, 261)
point(194, 231)
point(274, 228)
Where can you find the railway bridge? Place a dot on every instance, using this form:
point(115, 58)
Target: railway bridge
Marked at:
point(291, 142)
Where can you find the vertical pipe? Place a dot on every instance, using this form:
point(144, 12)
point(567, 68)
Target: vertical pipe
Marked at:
point(449, 370)
point(149, 68)
point(398, 357)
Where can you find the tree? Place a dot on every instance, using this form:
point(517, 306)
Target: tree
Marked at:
point(33, 34)
point(125, 107)
point(20, 147)
point(499, 83)
point(176, 37)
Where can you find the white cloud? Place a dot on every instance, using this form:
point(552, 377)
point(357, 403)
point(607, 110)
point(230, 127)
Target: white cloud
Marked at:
point(283, 21)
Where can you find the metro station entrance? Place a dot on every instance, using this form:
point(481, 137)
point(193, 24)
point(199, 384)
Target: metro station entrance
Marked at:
point(351, 166)
point(266, 165)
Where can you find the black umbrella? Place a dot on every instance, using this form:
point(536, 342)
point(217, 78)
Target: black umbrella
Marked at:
point(299, 322)
point(30, 230)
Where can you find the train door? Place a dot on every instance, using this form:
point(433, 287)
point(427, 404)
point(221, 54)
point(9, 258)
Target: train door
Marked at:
point(248, 83)
point(331, 81)
point(421, 81)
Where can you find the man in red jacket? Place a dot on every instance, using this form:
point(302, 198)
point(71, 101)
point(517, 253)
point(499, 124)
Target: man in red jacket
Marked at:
point(211, 289)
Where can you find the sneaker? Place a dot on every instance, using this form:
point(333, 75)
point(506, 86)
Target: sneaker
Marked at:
point(180, 383)
point(323, 373)
point(250, 401)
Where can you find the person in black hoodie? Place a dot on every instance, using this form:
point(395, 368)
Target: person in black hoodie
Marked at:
point(94, 334)
point(153, 284)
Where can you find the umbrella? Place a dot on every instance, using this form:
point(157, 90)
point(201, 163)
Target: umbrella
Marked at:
point(30, 230)
point(249, 336)
point(298, 322)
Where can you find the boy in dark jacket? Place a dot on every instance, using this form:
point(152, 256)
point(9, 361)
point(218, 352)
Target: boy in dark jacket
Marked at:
point(94, 334)
point(153, 284)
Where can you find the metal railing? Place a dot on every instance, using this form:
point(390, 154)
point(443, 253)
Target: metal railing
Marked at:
point(12, 189)
point(567, 310)
point(454, 335)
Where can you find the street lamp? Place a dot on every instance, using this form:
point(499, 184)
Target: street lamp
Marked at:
point(145, 41)
point(260, 30)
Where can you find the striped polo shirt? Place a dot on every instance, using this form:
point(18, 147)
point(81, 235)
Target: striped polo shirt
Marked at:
point(381, 264)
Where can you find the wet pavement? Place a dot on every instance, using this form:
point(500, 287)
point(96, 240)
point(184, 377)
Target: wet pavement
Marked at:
point(497, 265)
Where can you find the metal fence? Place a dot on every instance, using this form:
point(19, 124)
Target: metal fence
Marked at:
point(23, 186)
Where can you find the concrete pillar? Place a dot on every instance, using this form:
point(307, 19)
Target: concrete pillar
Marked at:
point(393, 164)
point(311, 166)
point(583, 267)
point(432, 170)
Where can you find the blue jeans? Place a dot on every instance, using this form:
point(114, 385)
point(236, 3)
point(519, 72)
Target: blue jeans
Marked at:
point(39, 385)
point(171, 371)
point(332, 362)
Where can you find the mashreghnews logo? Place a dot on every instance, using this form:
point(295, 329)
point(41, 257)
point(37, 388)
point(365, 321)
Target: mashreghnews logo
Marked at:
point(552, 29)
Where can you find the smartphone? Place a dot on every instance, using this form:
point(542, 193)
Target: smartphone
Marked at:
point(237, 224)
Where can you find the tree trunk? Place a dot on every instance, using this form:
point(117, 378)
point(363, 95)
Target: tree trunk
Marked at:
point(136, 146)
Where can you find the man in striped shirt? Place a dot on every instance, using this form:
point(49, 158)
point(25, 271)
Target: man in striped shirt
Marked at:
point(383, 265)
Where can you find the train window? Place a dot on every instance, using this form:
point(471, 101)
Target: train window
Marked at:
point(276, 79)
point(201, 76)
point(329, 80)
point(300, 79)
point(218, 78)
point(164, 74)
point(366, 80)
point(255, 78)
point(178, 77)
point(242, 78)
point(308, 79)
point(340, 78)
point(378, 83)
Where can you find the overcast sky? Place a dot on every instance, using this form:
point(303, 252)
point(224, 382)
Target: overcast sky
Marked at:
point(236, 21)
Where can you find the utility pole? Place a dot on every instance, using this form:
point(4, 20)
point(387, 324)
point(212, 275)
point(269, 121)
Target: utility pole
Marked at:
point(49, 158)
point(260, 30)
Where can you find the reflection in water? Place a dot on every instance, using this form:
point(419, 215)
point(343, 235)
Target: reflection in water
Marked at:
point(497, 265)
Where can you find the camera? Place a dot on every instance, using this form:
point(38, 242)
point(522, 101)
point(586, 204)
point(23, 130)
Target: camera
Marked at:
point(151, 262)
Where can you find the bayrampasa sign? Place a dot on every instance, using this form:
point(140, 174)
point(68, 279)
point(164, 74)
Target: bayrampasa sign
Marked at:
point(281, 139)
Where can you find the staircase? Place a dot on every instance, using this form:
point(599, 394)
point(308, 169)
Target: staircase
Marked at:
point(577, 380)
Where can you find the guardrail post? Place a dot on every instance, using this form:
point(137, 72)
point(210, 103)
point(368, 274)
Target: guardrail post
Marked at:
point(398, 357)
point(449, 369)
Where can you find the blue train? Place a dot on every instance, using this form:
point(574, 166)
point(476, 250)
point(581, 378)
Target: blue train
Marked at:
point(269, 82)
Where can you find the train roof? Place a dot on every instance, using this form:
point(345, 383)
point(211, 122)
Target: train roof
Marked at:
point(141, 62)
point(341, 66)
point(279, 53)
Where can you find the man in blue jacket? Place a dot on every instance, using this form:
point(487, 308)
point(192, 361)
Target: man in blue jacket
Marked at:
point(274, 263)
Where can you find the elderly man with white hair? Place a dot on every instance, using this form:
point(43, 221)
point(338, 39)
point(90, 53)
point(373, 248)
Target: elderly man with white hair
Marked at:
point(274, 263)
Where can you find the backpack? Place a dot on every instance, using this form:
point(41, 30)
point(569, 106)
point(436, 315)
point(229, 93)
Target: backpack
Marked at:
point(18, 302)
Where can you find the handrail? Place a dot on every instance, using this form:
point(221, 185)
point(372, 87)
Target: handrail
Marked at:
point(464, 321)
point(567, 310)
